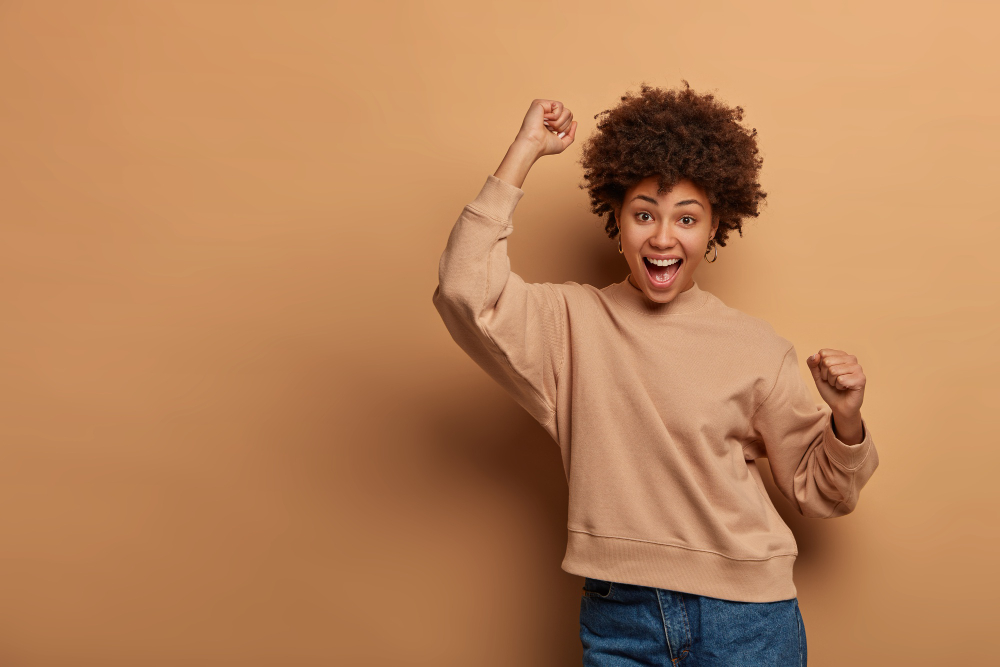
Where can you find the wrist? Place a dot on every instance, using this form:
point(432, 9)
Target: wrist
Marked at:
point(519, 159)
point(848, 428)
point(527, 148)
point(847, 417)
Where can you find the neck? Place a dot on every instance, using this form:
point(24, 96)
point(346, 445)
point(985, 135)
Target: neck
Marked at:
point(628, 294)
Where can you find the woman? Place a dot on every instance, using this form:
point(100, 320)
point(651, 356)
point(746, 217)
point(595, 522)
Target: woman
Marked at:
point(660, 396)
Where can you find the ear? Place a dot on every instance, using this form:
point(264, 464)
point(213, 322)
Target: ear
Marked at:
point(715, 226)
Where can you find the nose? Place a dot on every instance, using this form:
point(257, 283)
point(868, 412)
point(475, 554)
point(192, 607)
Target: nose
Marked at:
point(663, 237)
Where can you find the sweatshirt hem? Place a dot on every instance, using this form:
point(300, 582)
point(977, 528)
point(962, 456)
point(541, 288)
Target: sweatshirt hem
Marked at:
point(698, 572)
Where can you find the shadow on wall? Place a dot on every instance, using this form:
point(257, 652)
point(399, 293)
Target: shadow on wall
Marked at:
point(489, 441)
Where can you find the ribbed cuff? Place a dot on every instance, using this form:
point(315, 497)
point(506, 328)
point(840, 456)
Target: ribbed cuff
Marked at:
point(497, 199)
point(849, 457)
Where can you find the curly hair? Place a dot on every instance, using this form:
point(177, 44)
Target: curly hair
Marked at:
point(674, 134)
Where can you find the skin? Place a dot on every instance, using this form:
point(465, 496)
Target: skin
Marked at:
point(668, 229)
point(677, 223)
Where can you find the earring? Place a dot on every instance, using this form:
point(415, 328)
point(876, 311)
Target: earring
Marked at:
point(620, 251)
point(710, 261)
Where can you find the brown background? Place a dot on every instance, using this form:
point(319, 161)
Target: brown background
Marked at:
point(233, 429)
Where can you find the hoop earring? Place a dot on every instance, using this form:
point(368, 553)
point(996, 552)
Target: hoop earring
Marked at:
point(711, 261)
point(620, 251)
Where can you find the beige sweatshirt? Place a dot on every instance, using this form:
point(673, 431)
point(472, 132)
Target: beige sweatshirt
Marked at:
point(659, 410)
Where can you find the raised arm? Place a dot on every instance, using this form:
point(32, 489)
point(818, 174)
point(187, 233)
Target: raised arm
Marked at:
point(515, 331)
point(820, 474)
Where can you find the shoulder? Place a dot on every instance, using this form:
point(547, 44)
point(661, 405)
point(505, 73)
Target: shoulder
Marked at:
point(583, 300)
point(753, 332)
point(573, 293)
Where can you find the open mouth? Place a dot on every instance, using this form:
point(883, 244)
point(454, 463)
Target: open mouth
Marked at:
point(662, 276)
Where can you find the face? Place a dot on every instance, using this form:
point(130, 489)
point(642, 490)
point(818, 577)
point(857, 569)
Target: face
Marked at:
point(672, 229)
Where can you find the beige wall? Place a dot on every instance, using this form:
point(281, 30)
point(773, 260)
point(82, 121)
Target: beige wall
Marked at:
point(233, 429)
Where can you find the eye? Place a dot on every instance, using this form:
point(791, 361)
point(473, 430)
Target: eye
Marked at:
point(643, 213)
point(688, 217)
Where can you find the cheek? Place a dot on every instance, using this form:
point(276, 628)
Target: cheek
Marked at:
point(695, 241)
point(629, 242)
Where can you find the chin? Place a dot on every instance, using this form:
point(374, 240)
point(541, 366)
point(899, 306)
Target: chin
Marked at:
point(660, 294)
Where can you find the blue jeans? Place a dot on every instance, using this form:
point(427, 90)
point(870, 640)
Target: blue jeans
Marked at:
point(624, 625)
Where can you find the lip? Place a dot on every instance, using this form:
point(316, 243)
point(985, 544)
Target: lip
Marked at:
point(655, 284)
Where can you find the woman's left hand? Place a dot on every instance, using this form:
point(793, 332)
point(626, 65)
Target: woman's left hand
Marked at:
point(840, 381)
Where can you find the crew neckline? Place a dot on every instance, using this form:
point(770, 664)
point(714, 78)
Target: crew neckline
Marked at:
point(634, 299)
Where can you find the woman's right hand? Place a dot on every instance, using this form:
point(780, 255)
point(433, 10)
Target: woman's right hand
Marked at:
point(542, 126)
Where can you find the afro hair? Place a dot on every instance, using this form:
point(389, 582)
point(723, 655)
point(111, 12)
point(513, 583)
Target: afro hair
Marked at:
point(673, 135)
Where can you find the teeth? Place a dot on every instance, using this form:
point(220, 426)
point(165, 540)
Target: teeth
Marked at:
point(662, 262)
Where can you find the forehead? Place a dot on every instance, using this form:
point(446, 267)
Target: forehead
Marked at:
point(683, 189)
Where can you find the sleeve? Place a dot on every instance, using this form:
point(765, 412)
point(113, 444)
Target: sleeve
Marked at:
point(817, 472)
point(515, 331)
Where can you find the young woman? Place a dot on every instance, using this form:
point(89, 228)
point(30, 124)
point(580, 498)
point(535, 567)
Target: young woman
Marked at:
point(660, 396)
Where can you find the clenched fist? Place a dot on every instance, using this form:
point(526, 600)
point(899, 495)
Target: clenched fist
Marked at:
point(549, 125)
point(840, 381)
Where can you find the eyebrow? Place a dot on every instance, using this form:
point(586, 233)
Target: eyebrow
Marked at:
point(653, 201)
